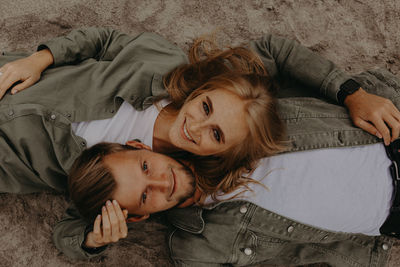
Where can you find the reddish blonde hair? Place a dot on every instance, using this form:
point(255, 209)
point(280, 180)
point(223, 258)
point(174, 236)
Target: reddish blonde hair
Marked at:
point(241, 72)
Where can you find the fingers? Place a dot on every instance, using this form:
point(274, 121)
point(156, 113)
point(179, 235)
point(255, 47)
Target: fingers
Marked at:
point(106, 225)
point(123, 229)
point(97, 230)
point(22, 86)
point(6, 81)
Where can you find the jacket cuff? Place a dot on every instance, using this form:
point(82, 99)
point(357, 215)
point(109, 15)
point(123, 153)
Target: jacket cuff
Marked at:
point(56, 50)
point(331, 85)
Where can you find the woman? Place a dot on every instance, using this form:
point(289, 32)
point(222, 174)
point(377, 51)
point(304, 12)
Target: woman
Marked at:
point(112, 70)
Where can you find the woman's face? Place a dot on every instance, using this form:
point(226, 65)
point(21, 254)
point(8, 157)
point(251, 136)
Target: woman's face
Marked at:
point(210, 123)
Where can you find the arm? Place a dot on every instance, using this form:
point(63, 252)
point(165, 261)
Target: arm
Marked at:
point(78, 240)
point(288, 59)
point(78, 45)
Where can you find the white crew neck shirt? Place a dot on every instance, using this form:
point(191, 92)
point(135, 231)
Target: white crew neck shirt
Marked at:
point(126, 125)
point(338, 189)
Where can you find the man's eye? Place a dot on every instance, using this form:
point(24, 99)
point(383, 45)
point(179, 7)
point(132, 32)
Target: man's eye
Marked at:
point(206, 108)
point(217, 135)
point(144, 196)
point(144, 167)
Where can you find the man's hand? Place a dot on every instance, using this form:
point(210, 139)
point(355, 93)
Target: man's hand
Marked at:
point(26, 71)
point(113, 226)
point(374, 114)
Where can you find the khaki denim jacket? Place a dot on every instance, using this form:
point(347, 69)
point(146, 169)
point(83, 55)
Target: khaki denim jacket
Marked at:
point(240, 233)
point(95, 69)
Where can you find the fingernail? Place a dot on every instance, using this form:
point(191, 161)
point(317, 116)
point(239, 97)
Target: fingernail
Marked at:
point(378, 135)
point(115, 202)
point(108, 203)
point(14, 92)
point(98, 217)
point(104, 208)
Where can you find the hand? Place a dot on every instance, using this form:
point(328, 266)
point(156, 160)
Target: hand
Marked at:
point(27, 71)
point(113, 226)
point(374, 114)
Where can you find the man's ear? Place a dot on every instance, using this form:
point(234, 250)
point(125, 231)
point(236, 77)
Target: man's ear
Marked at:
point(137, 144)
point(137, 218)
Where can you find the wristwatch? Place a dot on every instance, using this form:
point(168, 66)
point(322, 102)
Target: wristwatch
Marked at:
point(347, 88)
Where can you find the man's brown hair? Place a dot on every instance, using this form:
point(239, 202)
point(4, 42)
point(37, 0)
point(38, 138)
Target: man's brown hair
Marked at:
point(90, 181)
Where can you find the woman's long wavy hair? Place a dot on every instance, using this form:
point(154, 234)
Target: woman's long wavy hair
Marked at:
point(240, 71)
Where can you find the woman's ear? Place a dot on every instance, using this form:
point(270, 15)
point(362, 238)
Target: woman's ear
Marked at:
point(137, 144)
point(137, 218)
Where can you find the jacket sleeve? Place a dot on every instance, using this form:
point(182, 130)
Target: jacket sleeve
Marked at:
point(288, 59)
point(80, 44)
point(69, 235)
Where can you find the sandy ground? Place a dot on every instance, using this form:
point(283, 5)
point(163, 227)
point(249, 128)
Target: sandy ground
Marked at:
point(355, 34)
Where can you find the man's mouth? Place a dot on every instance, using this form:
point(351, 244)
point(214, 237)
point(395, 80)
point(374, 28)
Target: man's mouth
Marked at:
point(173, 186)
point(186, 133)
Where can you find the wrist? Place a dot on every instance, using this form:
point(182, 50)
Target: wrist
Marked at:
point(90, 243)
point(356, 95)
point(43, 58)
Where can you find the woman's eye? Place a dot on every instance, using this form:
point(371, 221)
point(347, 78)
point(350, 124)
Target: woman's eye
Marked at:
point(206, 108)
point(216, 135)
point(144, 196)
point(144, 166)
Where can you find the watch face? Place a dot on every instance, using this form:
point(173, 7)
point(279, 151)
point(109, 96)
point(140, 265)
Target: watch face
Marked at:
point(350, 86)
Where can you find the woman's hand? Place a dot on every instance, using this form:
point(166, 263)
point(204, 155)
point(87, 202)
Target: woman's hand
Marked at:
point(25, 71)
point(374, 114)
point(113, 226)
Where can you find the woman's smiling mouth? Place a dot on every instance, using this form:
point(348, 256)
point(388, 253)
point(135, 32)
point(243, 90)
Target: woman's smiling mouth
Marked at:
point(186, 133)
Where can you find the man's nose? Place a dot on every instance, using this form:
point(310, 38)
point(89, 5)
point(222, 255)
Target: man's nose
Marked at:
point(160, 182)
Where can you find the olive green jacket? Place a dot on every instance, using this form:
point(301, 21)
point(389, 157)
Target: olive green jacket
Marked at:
point(94, 69)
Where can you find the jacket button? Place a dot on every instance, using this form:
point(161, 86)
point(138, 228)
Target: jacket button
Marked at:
point(53, 117)
point(290, 229)
point(248, 251)
point(83, 143)
point(385, 246)
point(243, 209)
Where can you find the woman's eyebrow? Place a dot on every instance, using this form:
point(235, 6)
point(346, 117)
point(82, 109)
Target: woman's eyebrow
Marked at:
point(209, 104)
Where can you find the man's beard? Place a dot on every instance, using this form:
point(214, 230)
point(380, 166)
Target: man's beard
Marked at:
point(192, 184)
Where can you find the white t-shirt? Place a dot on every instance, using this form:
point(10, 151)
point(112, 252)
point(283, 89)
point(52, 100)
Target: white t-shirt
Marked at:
point(338, 189)
point(127, 124)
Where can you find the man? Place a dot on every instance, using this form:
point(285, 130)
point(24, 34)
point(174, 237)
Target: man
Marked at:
point(131, 176)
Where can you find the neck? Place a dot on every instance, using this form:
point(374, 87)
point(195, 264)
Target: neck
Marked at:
point(162, 126)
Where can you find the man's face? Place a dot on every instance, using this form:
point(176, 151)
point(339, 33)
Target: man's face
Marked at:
point(149, 182)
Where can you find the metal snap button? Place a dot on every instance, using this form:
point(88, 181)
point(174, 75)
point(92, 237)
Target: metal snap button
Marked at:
point(248, 251)
point(290, 229)
point(53, 116)
point(385, 246)
point(83, 143)
point(243, 209)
